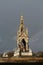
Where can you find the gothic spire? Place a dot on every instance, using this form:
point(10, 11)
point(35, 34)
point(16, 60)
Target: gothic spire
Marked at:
point(21, 23)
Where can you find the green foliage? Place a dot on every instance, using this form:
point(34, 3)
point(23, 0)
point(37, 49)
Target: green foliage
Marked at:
point(39, 54)
point(10, 54)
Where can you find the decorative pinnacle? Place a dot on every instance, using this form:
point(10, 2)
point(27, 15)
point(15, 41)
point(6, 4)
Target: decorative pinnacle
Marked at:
point(21, 20)
point(21, 17)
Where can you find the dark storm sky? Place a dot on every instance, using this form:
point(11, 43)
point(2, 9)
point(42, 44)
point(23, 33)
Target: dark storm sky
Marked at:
point(10, 12)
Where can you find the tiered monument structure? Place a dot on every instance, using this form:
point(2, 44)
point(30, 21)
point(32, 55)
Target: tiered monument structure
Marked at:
point(22, 41)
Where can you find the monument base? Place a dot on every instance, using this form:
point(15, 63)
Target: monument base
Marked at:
point(29, 53)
